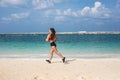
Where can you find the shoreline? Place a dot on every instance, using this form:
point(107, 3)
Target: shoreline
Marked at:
point(76, 56)
point(59, 59)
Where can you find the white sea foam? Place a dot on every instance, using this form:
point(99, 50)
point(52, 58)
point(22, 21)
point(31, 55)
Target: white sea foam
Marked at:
point(79, 32)
point(85, 32)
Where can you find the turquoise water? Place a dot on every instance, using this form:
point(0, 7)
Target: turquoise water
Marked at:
point(70, 45)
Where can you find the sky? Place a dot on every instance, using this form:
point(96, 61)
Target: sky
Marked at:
point(19, 16)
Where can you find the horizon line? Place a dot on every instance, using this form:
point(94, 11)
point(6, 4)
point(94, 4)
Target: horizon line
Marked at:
point(78, 32)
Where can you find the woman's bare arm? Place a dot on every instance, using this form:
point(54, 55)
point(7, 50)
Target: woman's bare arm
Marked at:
point(47, 39)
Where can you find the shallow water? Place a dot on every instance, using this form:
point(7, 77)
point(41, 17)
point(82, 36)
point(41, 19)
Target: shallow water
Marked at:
point(70, 45)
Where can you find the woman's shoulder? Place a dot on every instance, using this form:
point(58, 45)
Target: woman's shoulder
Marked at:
point(48, 35)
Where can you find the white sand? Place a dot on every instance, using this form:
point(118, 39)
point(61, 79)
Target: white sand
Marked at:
point(80, 69)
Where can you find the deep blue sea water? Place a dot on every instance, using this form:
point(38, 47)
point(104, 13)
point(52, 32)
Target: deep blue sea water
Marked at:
point(70, 45)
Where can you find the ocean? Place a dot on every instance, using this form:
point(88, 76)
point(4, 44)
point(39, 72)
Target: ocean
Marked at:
point(70, 45)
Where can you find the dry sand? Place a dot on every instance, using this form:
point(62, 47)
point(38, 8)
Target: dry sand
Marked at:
point(73, 69)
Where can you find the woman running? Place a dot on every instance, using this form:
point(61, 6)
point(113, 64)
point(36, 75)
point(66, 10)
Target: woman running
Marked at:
point(52, 38)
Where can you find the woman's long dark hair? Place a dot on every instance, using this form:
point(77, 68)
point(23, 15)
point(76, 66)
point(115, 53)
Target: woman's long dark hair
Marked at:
point(53, 32)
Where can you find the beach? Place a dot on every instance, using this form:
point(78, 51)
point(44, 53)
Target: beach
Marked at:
point(73, 69)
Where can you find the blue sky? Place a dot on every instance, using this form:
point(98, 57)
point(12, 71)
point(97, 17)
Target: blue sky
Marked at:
point(18, 16)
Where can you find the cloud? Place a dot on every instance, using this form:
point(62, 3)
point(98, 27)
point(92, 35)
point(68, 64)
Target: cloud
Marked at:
point(6, 19)
point(85, 11)
point(97, 11)
point(43, 4)
point(58, 1)
point(15, 16)
point(12, 3)
point(67, 12)
point(100, 10)
point(59, 18)
point(20, 15)
point(70, 12)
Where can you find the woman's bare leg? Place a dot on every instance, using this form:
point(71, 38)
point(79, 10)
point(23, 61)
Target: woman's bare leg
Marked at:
point(57, 52)
point(51, 54)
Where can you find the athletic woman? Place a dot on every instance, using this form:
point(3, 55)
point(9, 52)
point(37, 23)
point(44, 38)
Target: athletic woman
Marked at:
point(52, 38)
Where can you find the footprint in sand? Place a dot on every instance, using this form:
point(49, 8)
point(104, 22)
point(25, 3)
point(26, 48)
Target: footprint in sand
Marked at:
point(35, 78)
point(38, 78)
point(81, 78)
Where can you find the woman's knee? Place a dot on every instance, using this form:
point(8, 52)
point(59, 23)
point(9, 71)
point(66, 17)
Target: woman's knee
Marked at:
point(51, 52)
